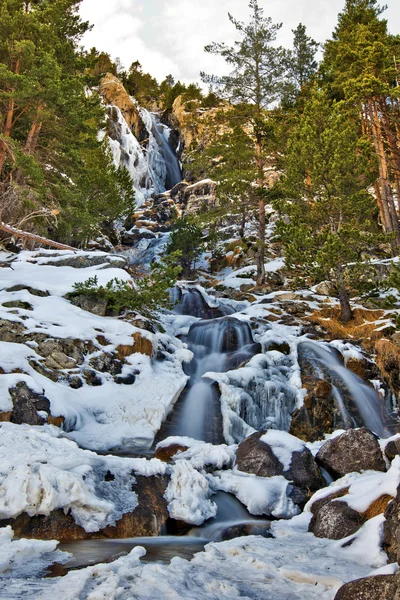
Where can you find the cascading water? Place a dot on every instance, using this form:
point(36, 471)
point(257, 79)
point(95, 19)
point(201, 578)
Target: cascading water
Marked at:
point(212, 343)
point(162, 135)
point(358, 403)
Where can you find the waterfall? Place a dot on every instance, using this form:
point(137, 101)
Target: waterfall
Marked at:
point(162, 134)
point(359, 403)
point(153, 166)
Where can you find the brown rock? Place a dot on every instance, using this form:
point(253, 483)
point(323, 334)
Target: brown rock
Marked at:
point(392, 449)
point(141, 344)
point(380, 587)
point(335, 520)
point(356, 450)
point(115, 94)
point(26, 404)
point(318, 504)
point(391, 529)
point(167, 452)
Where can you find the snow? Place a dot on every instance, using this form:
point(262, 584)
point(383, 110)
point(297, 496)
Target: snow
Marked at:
point(26, 558)
point(201, 454)
point(283, 445)
point(110, 416)
point(188, 495)
point(364, 488)
point(50, 472)
point(293, 566)
point(261, 495)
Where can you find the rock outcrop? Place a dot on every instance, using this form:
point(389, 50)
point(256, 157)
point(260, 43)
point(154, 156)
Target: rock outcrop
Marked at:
point(114, 94)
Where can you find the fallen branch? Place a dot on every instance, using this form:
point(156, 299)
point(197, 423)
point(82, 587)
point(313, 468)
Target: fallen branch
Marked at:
point(35, 238)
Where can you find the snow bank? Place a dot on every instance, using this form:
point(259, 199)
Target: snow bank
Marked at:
point(49, 472)
point(261, 495)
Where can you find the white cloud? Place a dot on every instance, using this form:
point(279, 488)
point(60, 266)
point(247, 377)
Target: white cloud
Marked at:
point(168, 36)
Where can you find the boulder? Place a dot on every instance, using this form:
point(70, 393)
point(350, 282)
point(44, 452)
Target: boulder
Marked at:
point(256, 456)
point(380, 587)
point(166, 453)
point(335, 520)
point(26, 404)
point(326, 288)
point(97, 306)
point(318, 415)
point(392, 449)
point(355, 450)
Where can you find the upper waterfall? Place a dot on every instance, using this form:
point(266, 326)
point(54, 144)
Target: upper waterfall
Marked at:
point(153, 165)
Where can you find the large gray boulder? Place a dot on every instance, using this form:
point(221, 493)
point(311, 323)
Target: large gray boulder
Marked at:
point(282, 455)
point(356, 450)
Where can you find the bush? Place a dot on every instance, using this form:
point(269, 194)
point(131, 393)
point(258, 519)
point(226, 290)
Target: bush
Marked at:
point(186, 239)
point(146, 295)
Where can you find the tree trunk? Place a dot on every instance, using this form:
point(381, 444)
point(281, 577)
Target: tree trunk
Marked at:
point(9, 120)
point(261, 214)
point(346, 313)
point(384, 180)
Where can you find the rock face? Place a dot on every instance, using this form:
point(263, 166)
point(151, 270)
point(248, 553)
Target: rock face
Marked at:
point(257, 457)
point(146, 520)
point(391, 529)
point(318, 414)
point(380, 587)
point(355, 450)
point(335, 520)
point(115, 94)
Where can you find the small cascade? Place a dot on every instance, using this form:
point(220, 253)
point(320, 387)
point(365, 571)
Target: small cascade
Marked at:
point(232, 520)
point(358, 403)
point(162, 135)
point(190, 301)
point(215, 345)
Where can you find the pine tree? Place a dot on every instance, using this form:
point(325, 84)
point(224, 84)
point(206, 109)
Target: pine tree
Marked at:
point(330, 216)
point(301, 64)
point(361, 66)
point(258, 67)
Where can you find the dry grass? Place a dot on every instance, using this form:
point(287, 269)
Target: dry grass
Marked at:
point(366, 325)
point(377, 508)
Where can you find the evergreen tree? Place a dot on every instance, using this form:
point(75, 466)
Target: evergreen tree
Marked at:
point(301, 64)
point(143, 86)
point(49, 124)
point(185, 243)
point(256, 80)
point(361, 66)
point(330, 216)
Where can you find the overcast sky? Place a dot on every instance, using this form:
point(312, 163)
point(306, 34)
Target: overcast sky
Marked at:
point(168, 36)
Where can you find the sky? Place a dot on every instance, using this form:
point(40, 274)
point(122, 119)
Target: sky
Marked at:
point(168, 36)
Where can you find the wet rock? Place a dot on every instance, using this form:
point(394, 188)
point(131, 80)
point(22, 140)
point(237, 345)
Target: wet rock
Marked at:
point(26, 404)
point(125, 379)
point(245, 529)
point(335, 520)
point(282, 347)
point(380, 587)
point(257, 457)
point(355, 450)
point(318, 415)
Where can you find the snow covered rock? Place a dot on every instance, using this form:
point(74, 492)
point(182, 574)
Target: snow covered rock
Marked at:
point(380, 587)
point(335, 520)
point(355, 450)
point(272, 453)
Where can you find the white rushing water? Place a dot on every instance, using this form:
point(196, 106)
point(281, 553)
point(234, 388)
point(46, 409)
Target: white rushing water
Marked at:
point(347, 387)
